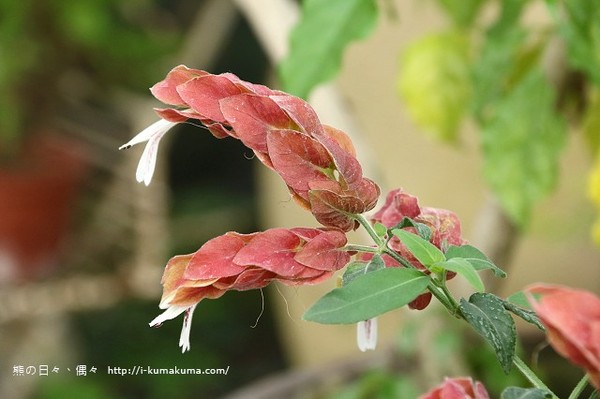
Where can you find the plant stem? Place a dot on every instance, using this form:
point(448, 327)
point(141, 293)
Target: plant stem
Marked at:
point(361, 248)
point(531, 376)
point(579, 387)
point(367, 225)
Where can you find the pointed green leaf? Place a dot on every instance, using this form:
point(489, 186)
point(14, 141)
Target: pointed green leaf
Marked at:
point(368, 296)
point(424, 251)
point(475, 257)
point(317, 42)
point(486, 313)
point(525, 393)
point(519, 305)
point(465, 269)
point(380, 229)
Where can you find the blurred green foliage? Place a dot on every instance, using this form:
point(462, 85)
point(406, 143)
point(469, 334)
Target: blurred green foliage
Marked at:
point(111, 42)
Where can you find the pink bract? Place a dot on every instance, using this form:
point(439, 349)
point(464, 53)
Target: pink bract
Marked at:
point(572, 321)
point(458, 388)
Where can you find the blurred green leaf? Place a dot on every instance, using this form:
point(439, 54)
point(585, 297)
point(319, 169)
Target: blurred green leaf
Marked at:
point(591, 123)
point(319, 39)
point(435, 84)
point(462, 12)
point(522, 143)
point(581, 30)
point(486, 314)
point(368, 296)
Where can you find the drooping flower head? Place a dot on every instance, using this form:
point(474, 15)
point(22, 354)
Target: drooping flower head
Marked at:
point(572, 321)
point(241, 262)
point(317, 162)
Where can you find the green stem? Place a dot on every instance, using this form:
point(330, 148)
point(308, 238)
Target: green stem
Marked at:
point(531, 376)
point(367, 225)
point(361, 248)
point(579, 387)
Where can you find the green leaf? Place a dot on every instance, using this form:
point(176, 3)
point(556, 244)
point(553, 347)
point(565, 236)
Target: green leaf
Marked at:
point(434, 82)
point(475, 257)
point(424, 251)
point(522, 143)
point(462, 12)
point(368, 296)
point(525, 393)
point(581, 31)
point(380, 229)
point(319, 39)
point(519, 305)
point(486, 313)
point(423, 230)
point(464, 268)
point(357, 269)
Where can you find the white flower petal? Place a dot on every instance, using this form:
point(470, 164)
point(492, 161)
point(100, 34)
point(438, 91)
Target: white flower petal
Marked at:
point(145, 169)
point(184, 338)
point(170, 313)
point(366, 334)
point(159, 127)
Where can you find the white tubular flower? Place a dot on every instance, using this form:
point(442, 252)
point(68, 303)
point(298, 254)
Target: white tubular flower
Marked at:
point(170, 313)
point(152, 135)
point(366, 334)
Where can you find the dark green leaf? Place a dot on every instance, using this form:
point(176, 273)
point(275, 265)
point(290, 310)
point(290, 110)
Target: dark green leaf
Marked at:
point(486, 313)
point(423, 230)
point(521, 144)
point(525, 393)
point(523, 312)
point(356, 269)
point(368, 296)
point(465, 269)
point(475, 257)
point(581, 31)
point(424, 251)
point(319, 39)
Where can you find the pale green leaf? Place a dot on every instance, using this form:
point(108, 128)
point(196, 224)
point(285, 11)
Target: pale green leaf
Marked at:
point(368, 296)
point(465, 269)
point(522, 143)
point(425, 252)
point(486, 314)
point(317, 42)
point(434, 82)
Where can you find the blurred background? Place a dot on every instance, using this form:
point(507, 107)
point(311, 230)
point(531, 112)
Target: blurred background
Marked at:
point(82, 245)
